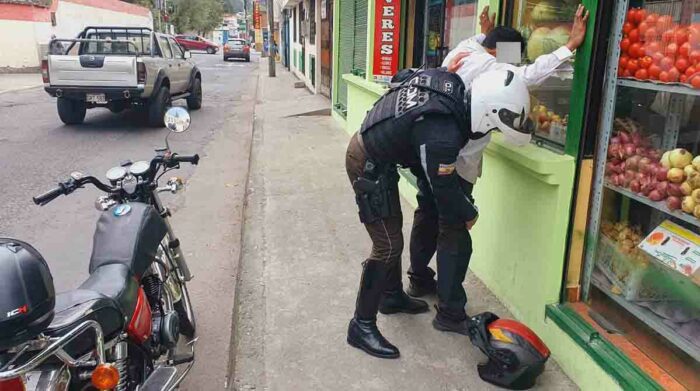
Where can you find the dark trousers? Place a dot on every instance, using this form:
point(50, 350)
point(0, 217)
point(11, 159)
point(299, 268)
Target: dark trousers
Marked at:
point(451, 241)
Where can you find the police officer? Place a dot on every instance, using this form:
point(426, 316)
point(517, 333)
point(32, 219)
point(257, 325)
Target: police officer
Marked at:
point(422, 124)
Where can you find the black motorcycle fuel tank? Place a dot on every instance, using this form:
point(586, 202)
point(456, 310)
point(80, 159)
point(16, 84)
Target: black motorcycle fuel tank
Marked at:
point(27, 295)
point(128, 234)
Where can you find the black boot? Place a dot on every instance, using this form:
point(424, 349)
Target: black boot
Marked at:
point(362, 330)
point(423, 284)
point(451, 321)
point(394, 300)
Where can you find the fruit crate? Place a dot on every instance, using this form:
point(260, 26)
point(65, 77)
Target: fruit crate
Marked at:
point(634, 280)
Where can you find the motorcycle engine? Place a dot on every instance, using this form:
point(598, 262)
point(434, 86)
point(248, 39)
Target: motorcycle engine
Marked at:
point(166, 325)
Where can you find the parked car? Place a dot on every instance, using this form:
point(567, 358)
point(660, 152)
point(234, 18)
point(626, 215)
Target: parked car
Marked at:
point(120, 68)
point(237, 48)
point(194, 42)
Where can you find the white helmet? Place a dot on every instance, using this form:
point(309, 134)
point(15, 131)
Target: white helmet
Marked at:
point(500, 100)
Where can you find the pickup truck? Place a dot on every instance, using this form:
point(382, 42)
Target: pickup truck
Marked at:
point(120, 68)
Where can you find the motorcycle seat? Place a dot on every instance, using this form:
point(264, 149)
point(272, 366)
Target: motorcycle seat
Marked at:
point(108, 296)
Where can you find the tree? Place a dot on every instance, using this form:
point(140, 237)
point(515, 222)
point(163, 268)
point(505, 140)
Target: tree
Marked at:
point(201, 16)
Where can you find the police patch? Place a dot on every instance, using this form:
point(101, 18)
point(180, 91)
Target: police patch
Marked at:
point(446, 169)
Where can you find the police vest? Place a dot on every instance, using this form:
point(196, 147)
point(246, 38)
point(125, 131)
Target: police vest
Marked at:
point(386, 130)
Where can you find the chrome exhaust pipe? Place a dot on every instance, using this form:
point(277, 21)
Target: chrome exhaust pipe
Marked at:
point(59, 93)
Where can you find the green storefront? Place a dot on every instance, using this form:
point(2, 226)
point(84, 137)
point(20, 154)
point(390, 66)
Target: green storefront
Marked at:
point(549, 210)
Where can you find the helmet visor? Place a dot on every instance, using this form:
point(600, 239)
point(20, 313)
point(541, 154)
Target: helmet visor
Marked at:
point(517, 121)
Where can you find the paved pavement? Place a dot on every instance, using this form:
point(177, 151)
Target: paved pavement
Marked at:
point(10, 82)
point(302, 252)
point(37, 150)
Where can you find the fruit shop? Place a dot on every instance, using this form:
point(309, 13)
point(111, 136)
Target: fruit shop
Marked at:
point(591, 234)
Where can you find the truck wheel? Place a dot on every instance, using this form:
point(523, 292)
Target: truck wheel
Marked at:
point(70, 111)
point(210, 50)
point(194, 101)
point(157, 107)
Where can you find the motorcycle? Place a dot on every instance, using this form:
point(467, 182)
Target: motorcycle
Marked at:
point(121, 328)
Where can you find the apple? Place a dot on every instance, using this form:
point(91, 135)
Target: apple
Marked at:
point(680, 158)
point(688, 204)
point(676, 175)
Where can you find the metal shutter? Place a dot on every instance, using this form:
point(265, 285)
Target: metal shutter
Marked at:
point(359, 54)
point(345, 47)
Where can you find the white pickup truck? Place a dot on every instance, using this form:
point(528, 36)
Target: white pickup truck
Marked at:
point(120, 68)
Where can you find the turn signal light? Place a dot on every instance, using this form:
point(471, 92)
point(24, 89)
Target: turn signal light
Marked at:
point(14, 384)
point(45, 70)
point(105, 377)
point(141, 72)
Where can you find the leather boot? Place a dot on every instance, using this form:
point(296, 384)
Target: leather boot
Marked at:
point(420, 286)
point(362, 330)
point(394, 300)
point(451, 321)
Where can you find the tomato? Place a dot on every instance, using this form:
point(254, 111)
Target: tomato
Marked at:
point(682, 64)
point(625, 44)
point(635, 50)
point(632, 15)
point(632, 66)
point(671, 49)
point(620, 72)
point(627, 27)
point(673, 74)
point(684, 49)
point(642, 74)
point(634, 35)
point(640, 15)
point(667, 63)
point(627, 73)
point(654, 71)
point(652, 19)
point(645, 62)
point(623, 61)
point(695, 81)
point(663, 77)
point(667, 36)
point(684, 78)
point(681, 36)
point(657, 57)
point(653, 47)
point(651, 34)
point(694, 57)
point(643, 27)
point(694, 35)
point(664, 22)
point(690, 71)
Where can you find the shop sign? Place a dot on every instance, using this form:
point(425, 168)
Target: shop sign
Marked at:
point(256, 15)
point(386, 39)
point(675, 247)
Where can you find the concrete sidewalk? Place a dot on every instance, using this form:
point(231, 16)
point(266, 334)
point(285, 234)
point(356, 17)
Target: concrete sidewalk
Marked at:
point(19, 81)
point(302, 254)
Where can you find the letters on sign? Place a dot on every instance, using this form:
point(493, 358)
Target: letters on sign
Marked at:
point(386, 39)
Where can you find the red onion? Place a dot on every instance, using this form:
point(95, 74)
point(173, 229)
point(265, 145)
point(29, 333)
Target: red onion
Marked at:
point(673, 203)
point(635, 186)
point(654, 195)
point(661, 173)
point(674, 190)
point(641, 151)
point(614, 150)
point(644, 165)
point(624, 137)
point(636, 138)
point(629, 149)
point(639, 176)
point(662, 188)
point(615, 140)
point(609, 168)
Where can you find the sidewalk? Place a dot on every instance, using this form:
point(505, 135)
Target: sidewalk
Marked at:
point(19, 81)
point(302, 254)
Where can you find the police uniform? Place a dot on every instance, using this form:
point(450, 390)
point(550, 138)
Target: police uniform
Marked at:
point(421, 125)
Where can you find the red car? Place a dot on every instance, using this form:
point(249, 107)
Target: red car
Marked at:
point(193, 42)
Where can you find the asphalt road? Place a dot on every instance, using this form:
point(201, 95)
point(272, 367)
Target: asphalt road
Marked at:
point(37, 150)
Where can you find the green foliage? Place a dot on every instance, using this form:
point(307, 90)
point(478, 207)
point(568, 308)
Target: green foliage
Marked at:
point(201, 16)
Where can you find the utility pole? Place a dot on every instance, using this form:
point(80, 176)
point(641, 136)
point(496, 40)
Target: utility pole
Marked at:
point(271, 37)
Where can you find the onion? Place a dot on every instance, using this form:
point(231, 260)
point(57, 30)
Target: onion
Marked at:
point(615, 140)
point(636, 138)
point(641, 151)
point(662, 188)
point(674, 189)
point(632, 163)
point(624, 137)
point(629, 149)
point(661, 174)
point(639, 176)
point(609, 168)
point(654, 195)
point(654, 155)
point(644, 165)
point(673, 203)
point(635, 186)
point(614, 150)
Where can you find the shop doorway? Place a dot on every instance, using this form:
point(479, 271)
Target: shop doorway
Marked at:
point(435, 50)
point(326, 47)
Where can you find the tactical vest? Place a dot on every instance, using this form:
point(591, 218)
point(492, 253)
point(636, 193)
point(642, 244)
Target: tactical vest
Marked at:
point(386, 130)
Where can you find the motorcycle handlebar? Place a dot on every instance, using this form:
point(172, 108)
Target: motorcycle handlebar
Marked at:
point(194, 159)
point(48, 196)
point(69, 186)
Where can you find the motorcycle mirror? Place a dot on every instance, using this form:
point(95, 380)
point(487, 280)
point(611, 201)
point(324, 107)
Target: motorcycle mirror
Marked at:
point(177, 119)
point(77, 175)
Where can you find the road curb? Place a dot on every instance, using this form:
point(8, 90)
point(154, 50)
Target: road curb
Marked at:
point(19, 89)
point(230, 376)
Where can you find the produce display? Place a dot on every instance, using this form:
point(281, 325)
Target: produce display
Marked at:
point(656, 48)
point(549, 123)
point(549, 26)
point(672, 176)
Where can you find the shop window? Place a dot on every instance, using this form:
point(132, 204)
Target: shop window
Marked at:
point(643, 269)
point(546, 26)
point(461, 20)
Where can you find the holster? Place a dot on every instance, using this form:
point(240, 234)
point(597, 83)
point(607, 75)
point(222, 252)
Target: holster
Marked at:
point(376, 192)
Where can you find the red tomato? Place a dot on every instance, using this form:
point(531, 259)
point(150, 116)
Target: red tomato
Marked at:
point(643, 27)
point(652, 47)
point(657, 57)
point(634, 35)
point(620, 72)
point(667, 36)
point(623, 61)
point(663, 77)
point(694, 35)
point(645, 62)
point(651, 34)
point(684, 78)
point(690, 71)
point(652, 19)
point(667, 63)
point(673, 74)
point(671, 49)
point(654, 72)
point(684, 49)
point(664, 22)
point(632, 66)
point(642, 74)
point(632, 15)
point(695, 81)
point(625, 44)
point(640, 15)
point(627, 27)
point(635, 50)
point(694, 57)
point(682, 64)
point(681, 36)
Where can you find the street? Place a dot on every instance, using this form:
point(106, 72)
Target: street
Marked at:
point(37, 150)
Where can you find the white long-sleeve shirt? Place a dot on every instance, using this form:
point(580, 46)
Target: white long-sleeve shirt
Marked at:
point(479, 61)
